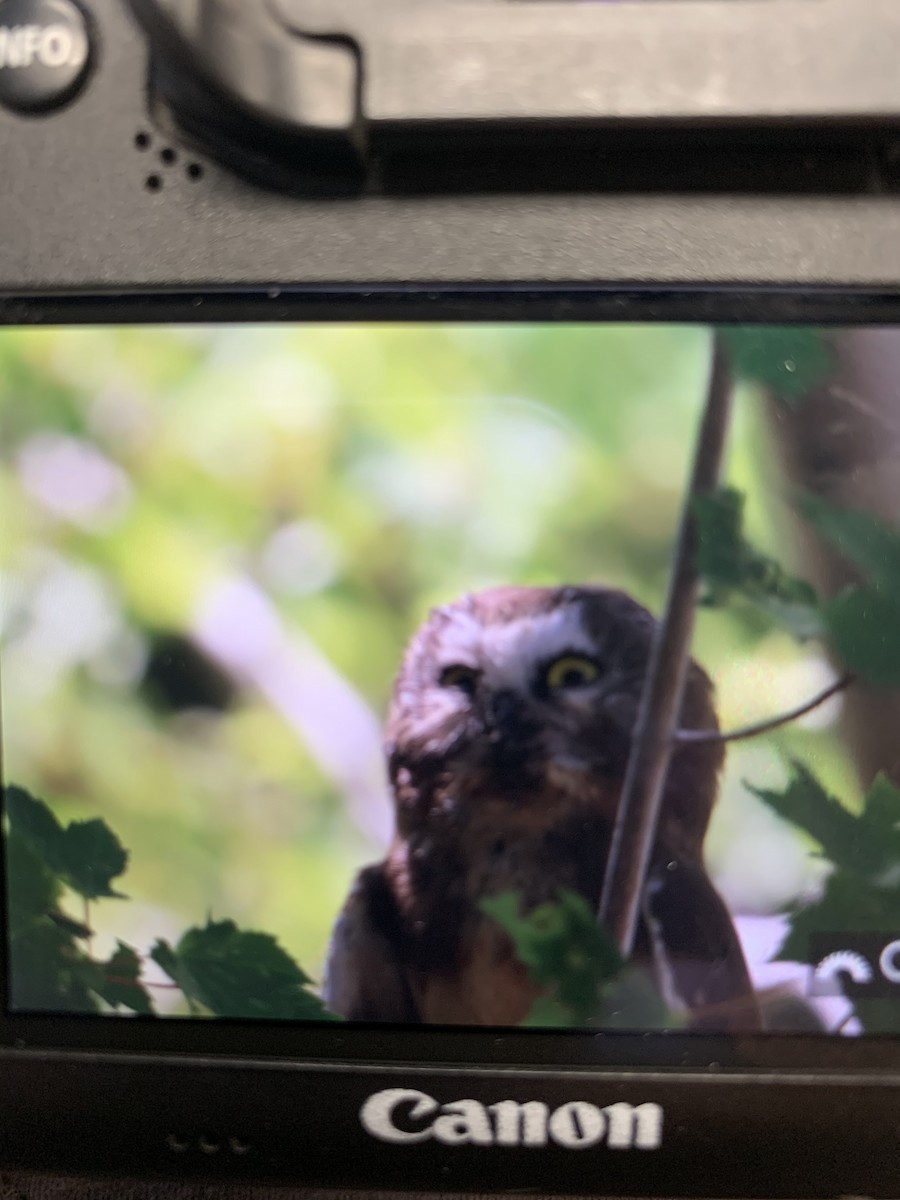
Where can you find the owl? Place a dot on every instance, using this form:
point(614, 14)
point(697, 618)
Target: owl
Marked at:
point(507, 740)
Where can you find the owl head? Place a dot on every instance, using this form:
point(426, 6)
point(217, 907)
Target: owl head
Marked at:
point(519, 691)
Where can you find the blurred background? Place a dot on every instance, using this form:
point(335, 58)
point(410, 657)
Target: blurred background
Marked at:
point(215, 543)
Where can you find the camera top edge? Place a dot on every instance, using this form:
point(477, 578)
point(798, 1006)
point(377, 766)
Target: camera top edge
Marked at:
point(699, 143)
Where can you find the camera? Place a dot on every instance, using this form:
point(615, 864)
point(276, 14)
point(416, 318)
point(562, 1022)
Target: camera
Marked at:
point(448, 593)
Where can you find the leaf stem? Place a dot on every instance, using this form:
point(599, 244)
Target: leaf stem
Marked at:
point(634, 832)
point(704, 736)
point(123, 981)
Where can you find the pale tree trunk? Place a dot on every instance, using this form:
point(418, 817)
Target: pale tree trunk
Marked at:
point(842, 442)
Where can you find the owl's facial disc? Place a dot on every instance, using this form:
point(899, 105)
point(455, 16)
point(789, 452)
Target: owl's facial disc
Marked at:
point(520, 696)
point(521, 692)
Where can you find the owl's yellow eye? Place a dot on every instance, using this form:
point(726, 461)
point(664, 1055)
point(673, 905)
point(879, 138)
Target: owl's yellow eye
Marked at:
point(571, 671)
point(464, 679)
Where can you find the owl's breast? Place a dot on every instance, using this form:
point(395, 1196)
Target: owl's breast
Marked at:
point(555, 842)
point(463, 967)
point(486, 986)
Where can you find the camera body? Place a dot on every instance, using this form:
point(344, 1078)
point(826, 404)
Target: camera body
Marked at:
point(717, 190)
point(450, 160)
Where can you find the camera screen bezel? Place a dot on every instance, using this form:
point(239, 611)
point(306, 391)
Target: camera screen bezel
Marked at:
point(610, 1051)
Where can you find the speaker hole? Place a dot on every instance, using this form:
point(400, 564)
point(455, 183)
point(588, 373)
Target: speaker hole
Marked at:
point(168, 156)
point(194, 171)
point(153, 183)
point(209, 1146)
point(142, 140)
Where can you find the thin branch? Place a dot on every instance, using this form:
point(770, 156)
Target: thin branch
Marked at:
point(704, 736)
point(634, 832)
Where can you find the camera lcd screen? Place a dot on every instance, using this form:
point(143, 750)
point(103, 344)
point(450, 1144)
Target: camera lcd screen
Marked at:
point(323, 650)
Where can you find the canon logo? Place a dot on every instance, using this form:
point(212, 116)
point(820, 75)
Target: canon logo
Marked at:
point(403, 1116)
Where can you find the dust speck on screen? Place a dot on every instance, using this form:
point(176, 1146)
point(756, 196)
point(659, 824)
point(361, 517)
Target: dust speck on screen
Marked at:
point(541, 676)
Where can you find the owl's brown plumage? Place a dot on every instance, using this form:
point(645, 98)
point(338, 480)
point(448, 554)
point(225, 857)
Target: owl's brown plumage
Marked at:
point(507, 742)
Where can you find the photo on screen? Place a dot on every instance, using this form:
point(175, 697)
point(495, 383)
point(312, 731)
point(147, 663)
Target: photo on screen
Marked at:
point(322, 652)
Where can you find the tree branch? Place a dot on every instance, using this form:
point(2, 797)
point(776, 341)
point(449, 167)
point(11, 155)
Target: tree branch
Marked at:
point(634, 832)
point(704, 736)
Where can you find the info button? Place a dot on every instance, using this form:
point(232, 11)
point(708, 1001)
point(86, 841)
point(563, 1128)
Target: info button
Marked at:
point(45, 51)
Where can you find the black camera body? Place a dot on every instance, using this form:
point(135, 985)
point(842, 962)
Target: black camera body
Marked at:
point(426, 160)
point(676, 146)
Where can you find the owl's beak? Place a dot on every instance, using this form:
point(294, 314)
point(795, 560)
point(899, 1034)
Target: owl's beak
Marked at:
point(506, 712)
point(512, 732)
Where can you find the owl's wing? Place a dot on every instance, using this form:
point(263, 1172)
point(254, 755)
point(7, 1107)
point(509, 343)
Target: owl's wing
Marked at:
point(364, 976)
point(701, 950)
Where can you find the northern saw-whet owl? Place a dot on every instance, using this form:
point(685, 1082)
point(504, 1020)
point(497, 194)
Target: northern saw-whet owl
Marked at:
point(507, 742)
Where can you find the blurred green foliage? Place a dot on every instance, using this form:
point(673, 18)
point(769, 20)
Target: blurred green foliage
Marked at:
point(862, 623)
point(729, 565)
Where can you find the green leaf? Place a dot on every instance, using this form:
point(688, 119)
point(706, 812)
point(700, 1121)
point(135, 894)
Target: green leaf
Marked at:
point(92, 857)
point(119, 982)
point(165, 957)
point(789, 360)
point(239, 973)
point(77, 929)
point(866, 540)
point(846, 904)
point(848, 841)
point(863, 621)
point(799, 614)
point(730, 565)
point(33, 821)
point(862, 895)
point(548, 1013)
point(505, 908)
point(864, 627)
point(881, 810)
point(31, 887)
point(721, 549)
point(565, 952)
point(48, 972)
point(86, 855)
